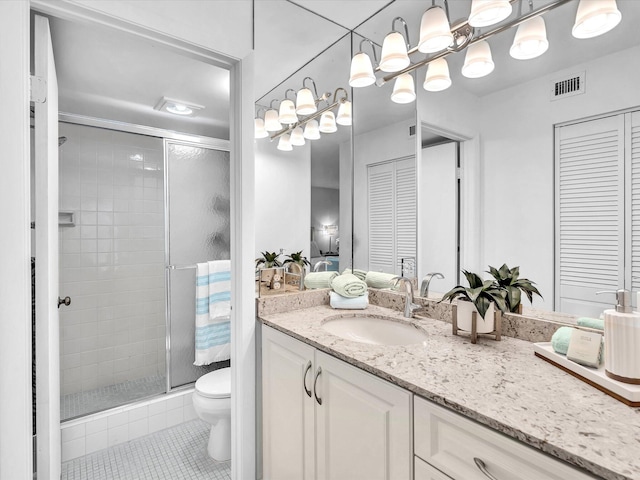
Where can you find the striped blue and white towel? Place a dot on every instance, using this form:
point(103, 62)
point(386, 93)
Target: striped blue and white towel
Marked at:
point(213, 312)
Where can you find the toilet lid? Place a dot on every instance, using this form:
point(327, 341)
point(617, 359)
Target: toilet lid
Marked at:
point(216, 384)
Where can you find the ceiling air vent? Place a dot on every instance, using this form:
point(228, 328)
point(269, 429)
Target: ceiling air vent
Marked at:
point(568, 86)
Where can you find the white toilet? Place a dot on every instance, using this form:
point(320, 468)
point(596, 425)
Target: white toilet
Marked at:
point(212, 402)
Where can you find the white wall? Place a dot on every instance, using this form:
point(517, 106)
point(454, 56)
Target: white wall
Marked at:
point(282, 198)
point(380, 145)
point(517, 149)
point(325, 211)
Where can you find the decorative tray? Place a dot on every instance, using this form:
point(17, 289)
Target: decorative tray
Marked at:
point(596, 377)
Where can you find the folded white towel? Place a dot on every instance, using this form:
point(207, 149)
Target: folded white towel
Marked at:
point(357, 303)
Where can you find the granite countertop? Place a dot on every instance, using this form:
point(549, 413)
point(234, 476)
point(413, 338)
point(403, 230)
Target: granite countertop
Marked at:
point(499, 384)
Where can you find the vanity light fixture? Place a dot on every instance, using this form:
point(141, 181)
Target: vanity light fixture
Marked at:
point(595, 17)
point(271, 122)
point(287, 113)
point(437, 78)
point(488, 12)
point(435, 30)
point(404, 89)
point(178, 107)
point(311, 130)
point(478, 61)
point(394, 56)
point(361, 74)
point(284, 143)
point(305, 101)
point(344, 114)
point(297, 137)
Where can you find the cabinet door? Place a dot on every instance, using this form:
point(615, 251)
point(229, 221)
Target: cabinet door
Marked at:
point(363, 425)
point(424, 471)
point(288, 421)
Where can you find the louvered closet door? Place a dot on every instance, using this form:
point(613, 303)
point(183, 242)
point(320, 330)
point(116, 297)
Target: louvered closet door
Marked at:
point(405, 211)
point(381, 217)
point(633, 189)
point(589, 214)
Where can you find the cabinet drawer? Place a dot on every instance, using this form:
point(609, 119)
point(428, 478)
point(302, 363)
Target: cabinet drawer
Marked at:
point(424, 471)
point(450, 443)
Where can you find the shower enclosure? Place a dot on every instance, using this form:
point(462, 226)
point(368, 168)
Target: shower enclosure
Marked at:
point(138, 209)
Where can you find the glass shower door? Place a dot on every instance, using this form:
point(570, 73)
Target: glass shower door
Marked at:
point(198, 219)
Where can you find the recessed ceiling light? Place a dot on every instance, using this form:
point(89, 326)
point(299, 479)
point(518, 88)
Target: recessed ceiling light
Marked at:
point(178, 107)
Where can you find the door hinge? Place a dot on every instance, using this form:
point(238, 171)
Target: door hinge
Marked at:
point(38, 88)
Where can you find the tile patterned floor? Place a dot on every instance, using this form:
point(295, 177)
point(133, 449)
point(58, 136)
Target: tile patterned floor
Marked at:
point(178, 453)
point(103, 398)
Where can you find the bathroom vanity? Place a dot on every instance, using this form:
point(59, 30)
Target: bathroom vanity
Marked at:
point(335, 408)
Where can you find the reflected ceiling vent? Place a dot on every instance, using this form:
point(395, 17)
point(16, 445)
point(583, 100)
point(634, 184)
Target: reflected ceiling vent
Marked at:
point(568, 86)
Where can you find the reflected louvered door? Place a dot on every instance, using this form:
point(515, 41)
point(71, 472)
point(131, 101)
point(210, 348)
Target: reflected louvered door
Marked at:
point(633, 189)
point(381, 217)
point(405, 211)
point(589, 214)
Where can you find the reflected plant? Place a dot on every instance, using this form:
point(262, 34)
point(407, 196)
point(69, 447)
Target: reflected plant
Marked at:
point(507, 279)
point(296, 257)
point(268, 260)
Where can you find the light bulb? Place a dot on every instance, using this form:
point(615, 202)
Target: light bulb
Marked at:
point(297, 137)
point(403, 89)
point(394, 53)
point(437, 78)
point(260, 131)
point(287, 112)
point(530, 40)
point(305, 103)
point(361, 71)
point(271, 123)
point(344, 114)
point(284, 143)
point(311, 131)
point(488, 12)
point(328, 123)
point(478, 62)
point(435, 31)
point(595, 17)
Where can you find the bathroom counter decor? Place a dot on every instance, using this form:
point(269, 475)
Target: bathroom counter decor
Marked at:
point(499, 384)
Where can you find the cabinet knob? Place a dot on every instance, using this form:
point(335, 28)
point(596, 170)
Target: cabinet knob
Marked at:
point(304, 379)
point(315, 390)
point(483, 468)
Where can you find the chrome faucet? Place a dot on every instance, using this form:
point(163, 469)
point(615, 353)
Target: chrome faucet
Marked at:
point(316, 267)
point(424, 287)
point(409, 306)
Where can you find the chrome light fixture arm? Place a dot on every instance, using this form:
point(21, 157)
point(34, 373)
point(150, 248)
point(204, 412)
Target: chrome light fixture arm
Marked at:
point(373, 48)
point(406, 30)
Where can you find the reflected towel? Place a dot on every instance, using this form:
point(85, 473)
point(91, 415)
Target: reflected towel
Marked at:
point(348, 285)
point(319, 279)
point(380, 279)
point(340, 302)
point(361, 274)
point(213, 312)
point(591, 323)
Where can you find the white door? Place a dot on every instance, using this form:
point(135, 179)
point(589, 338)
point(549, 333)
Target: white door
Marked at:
point(287, 405)
point(46, 253)
point(363, 425)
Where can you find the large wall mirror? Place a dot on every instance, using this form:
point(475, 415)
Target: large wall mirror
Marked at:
point(482, 151)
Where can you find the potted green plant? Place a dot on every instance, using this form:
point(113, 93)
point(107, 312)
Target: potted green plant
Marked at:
point(296, 262)
point(481, 296)
point(507, 279)
point(268, 260)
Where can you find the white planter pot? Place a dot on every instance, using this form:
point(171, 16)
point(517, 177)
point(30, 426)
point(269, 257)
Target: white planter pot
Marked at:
point(483, 325)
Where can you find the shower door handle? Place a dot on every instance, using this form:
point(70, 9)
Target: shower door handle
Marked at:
point(66, 301)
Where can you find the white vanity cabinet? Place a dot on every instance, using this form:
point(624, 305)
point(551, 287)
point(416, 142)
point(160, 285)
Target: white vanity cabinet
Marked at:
point(330, 420)
point(462, 449)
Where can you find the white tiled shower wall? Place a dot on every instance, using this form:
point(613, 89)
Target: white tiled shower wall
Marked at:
point(95, 432)
point(112, 260)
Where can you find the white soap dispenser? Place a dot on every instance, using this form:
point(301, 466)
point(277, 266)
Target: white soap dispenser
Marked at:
point(622, 340)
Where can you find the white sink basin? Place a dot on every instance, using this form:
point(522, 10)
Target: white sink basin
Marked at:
point(374, 329)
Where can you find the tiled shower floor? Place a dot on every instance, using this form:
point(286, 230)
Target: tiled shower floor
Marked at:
point(178, 453)
point(103, 398)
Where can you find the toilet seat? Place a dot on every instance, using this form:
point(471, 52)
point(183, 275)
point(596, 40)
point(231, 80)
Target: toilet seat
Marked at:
point(216, 384)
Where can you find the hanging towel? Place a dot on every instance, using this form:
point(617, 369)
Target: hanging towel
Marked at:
point(348, 285)
point(319, 279)
point(380, 279)
point(340, 302)
point(213, 312)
